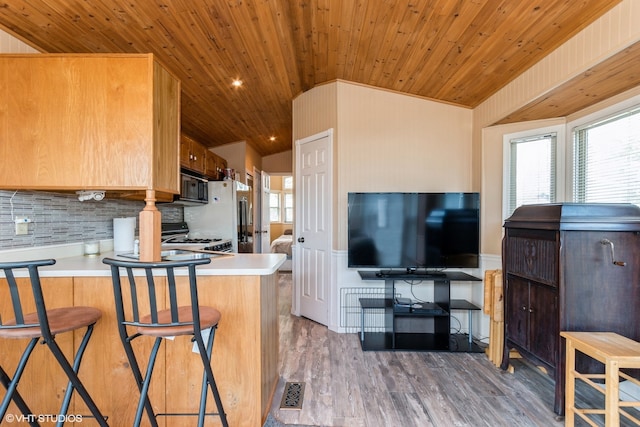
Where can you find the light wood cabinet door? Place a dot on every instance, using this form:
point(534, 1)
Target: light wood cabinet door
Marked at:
point(211, 166)
point(88, 121)
point(192, 154)
point(245, 349)
point(214, 166)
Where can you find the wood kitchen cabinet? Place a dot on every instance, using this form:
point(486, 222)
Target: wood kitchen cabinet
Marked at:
point(192, 154)
point(89, 121)
point(214, 166)
point(569, 267)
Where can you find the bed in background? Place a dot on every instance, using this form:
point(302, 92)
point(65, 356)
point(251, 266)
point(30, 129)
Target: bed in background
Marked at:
point(282, 245)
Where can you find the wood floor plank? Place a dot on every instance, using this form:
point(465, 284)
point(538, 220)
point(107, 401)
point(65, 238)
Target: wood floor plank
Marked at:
point(345, 386)
point(411, 409)
point(347, 397)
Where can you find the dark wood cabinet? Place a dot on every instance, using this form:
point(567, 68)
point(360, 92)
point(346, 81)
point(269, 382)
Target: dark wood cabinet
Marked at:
point(531, 327)
point(569, 267)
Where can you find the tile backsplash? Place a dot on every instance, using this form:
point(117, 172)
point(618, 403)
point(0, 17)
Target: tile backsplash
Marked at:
point(58, 218)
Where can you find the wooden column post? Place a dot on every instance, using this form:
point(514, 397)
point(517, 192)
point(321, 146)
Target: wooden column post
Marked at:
point(150, 229)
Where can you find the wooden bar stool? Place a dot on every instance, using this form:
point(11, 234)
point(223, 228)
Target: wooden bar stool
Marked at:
point(186, 318)
point(615, 352)
point(43, 325)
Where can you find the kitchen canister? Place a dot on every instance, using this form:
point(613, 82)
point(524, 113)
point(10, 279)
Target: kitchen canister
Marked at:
point(124, 234)
point(92, 248)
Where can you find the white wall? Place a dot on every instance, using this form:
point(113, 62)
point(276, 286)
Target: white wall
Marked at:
point(10, 44)
point(386, 141)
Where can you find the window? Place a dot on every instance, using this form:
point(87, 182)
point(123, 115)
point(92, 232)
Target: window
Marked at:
point(274, 206)
point(288, 208)
point(531, 170)
point(281, 202)
point(606, 160)
point(287, 183)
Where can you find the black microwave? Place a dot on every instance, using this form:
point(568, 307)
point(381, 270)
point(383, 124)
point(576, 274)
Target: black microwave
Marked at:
point(193, 189)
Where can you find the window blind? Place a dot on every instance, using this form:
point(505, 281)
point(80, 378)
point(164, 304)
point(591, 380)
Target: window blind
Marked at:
point(532, 171)
point(607, 160)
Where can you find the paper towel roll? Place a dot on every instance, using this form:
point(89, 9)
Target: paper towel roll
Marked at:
point(124, 234)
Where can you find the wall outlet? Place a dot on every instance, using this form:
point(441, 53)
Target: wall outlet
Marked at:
point(22, 226)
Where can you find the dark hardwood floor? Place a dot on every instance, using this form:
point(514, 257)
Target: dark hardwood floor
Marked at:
point(345, 386)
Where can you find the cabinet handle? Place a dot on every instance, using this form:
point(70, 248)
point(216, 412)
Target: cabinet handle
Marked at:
point(530, 310)
point(524, 308)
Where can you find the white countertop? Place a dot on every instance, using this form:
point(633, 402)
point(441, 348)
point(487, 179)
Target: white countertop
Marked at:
point(92, 266)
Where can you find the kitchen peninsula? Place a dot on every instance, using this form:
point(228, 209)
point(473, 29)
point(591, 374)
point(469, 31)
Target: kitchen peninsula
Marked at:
point(245, 355)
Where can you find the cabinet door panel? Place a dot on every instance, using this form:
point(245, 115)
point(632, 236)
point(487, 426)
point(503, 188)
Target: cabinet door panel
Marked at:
point(533, 256)
point(185, 152)
point(91, 111)
point(543, 322)
point(516, 306)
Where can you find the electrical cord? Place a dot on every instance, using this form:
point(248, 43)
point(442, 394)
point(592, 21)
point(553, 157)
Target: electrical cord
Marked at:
point(458, 328)
point(413, 283)
point(11, 204)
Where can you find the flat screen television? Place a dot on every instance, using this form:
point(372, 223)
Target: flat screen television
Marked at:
point(410, 231)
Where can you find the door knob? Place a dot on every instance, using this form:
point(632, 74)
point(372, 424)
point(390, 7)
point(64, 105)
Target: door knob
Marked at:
point(301, 239)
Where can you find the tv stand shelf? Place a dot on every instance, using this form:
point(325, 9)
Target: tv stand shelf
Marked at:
point(440, 338)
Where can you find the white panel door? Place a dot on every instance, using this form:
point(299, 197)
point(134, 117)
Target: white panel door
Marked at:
point(265, 224)
point(313, 189)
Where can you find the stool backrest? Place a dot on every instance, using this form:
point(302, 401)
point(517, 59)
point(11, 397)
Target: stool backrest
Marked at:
point(141, 303)
point(18, 301)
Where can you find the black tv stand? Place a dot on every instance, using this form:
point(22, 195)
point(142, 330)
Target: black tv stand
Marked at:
point(411, 273)
point(441, 338)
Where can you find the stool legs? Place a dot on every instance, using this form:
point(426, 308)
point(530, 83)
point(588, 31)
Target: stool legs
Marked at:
point(611, 394)
point(144, 405)
point(76, 385)
point(11, 384)
point(74, 381)
point(207, 378)
point(569, 384)
point(20, 403)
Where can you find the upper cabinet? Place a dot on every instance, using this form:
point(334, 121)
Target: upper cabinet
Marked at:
point(196, 157)
point(89, 121)
point(214, 166)
point(192, 154)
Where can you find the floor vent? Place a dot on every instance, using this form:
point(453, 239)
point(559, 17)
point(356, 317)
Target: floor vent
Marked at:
point(292, 396)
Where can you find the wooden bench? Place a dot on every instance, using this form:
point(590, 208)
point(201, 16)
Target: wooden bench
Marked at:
point(615, 352)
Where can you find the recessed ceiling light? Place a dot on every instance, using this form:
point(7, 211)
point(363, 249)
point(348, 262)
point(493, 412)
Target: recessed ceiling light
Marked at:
point(273, 138)
point(237, 83)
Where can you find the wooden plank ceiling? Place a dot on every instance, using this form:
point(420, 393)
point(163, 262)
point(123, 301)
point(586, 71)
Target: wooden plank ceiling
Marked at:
point(456, 51)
